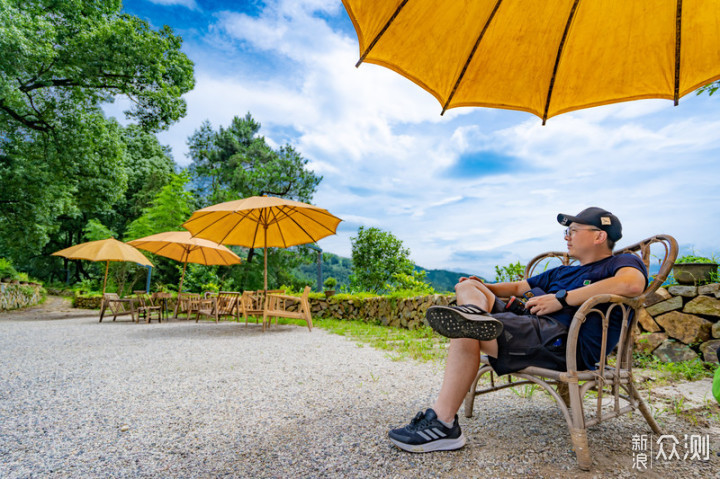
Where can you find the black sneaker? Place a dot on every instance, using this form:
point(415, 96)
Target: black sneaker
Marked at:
point(426, 433)
point(467, 321)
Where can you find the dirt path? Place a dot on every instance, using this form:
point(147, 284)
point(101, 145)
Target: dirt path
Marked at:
point(54, 307)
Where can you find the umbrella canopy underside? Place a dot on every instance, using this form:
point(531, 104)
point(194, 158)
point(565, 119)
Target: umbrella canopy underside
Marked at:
point(546, 57)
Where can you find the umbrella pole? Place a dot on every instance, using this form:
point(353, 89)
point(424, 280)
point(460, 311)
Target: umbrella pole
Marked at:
point(265, 262)
point(182, 278)
point(107, 266)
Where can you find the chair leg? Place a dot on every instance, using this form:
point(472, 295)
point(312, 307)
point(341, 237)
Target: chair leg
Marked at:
point(578, 431)
point(582, 451)
point(470, 396)
point(564, 392)
point(645, 410)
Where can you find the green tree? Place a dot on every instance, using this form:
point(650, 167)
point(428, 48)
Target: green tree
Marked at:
point(236, 162)
point(61, 161)
point(509, 273)
point(169, 210)
point(377, 256)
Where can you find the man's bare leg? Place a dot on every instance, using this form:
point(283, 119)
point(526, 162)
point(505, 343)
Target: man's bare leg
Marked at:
point(464, 354)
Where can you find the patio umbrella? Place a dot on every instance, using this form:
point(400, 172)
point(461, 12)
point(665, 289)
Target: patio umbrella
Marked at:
point(104, 250)
point(544, 57)
point(262, 221)
point(181, 246)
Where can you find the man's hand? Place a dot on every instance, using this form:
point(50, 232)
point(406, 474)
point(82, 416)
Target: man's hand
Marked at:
point(545, 304)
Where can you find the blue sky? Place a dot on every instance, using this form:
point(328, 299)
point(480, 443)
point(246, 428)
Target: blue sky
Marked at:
point(464, 191)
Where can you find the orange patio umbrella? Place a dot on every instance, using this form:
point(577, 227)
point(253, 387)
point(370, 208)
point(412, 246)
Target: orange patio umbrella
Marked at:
point(544, 57)
point(104, 250)
point(262, 222)
point(181, 246)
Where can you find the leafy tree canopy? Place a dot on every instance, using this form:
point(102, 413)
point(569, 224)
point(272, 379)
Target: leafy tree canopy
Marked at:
point(236, 162)
point(57, 56)
point(378, 259)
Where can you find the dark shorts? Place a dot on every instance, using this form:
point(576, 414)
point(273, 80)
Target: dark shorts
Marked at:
point(528, 340)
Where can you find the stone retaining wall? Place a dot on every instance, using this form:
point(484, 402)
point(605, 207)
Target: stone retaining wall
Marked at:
point(16, 295)
point(681, 323)
point(397, 312)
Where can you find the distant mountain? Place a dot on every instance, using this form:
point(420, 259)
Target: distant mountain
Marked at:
point(441, 279)
point(340, 268)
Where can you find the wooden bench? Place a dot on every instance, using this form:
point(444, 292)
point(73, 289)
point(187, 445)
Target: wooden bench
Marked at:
point(186, 303)
point(611, 381)
point(277, 307)
point(117, 306)
point(252, 303)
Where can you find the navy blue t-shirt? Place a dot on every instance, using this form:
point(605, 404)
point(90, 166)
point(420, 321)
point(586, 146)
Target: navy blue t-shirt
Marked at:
point(577, 276)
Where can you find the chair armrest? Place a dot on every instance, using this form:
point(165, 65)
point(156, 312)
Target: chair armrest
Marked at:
point(590, 306)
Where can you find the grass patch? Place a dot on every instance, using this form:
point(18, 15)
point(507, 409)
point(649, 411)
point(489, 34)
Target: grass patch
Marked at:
point(421, 344)
point(683, 371)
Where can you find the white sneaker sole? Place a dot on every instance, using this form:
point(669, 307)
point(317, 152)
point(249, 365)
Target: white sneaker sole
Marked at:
point(438, 445)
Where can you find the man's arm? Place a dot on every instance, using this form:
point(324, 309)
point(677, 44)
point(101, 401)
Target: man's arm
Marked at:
point(628, 281)
point(503, 290)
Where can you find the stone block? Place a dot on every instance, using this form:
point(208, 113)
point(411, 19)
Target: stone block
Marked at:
point(646, 343)
point(685, 291)
point(709, 350)
point(647, 322)
point(671, 304)
point(672, 352)
point(687, 328)
point(709, 289)
point(716, 330)
point(704, 305)
point(661, 294)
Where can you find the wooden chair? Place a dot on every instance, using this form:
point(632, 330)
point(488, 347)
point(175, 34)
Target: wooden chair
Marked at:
point(117, 306)
point(160, 297)
point(616, 381)
point(205, 307)
point(228, 304)
point(252, 303)
point(277, 307)
point(147, 308)
point(186, 303)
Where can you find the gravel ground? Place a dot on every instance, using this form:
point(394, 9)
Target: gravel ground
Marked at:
point(180, 399)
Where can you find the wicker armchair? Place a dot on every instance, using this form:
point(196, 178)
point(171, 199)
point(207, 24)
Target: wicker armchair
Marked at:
point(569, 387)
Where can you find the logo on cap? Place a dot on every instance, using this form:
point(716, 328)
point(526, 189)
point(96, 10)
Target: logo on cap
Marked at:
point(605, 220)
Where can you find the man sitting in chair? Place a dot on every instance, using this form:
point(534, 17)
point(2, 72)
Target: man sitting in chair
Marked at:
point(533, 334)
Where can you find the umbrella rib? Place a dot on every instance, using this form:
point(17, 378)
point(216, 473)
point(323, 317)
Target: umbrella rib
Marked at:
point(208, 226)
point(470, 57)
point(277, 222)
point(298, 211)
point(678, 39)
point(230, 230)
point(381, 32)
point(557, 58)
point(300, 226)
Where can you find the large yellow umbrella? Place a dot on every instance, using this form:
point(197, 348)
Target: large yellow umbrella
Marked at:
point(181, 246)
point(104, 250)
point(262, 221)
point(544, 57)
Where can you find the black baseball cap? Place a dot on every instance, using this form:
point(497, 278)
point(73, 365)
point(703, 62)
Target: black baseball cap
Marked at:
point(597, 217)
